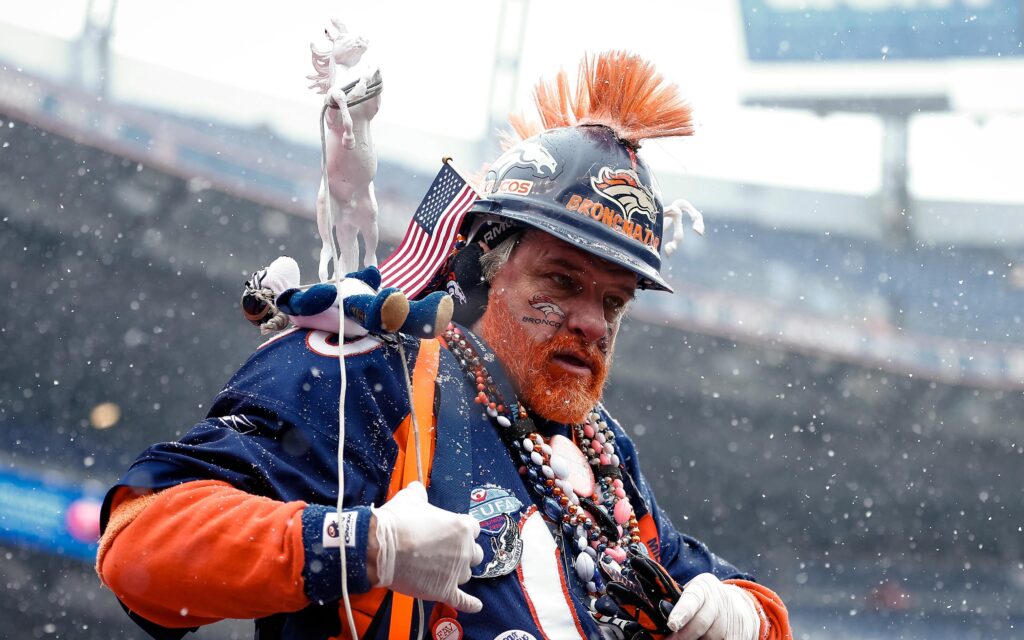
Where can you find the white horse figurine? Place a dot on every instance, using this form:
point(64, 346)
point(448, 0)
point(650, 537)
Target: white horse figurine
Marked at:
point(351, 162)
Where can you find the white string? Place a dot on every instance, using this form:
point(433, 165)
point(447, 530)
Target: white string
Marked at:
point(342, 382)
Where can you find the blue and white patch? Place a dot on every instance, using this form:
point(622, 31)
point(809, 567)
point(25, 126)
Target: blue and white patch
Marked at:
point(488, 503)
point(493, 507)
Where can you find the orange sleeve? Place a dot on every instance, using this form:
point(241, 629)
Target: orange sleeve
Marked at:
point(204, 551)
point(773, 614)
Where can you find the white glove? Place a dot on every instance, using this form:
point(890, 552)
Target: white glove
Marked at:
point(710, 609)
point(426, 552)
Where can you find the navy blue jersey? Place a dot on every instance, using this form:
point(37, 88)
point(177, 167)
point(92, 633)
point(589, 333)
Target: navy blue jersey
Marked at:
point(272, 431)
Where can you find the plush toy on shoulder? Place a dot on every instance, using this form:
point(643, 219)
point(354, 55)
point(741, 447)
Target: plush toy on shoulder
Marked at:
point(272, 300)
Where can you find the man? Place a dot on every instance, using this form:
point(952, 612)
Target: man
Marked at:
point(534, 490)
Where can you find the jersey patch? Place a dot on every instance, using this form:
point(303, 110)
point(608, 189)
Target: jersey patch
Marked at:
point(491, 506)
point(447, 629)
point(488, 503)
point(515, 634)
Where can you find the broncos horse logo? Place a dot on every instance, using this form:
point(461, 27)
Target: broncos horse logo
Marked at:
point(526, 154)
point(546, 305)
point(623, 187)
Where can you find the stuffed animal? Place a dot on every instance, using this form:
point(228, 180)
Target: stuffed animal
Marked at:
point(272, 299)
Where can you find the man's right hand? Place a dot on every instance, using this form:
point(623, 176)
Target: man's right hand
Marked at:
point(424, 551)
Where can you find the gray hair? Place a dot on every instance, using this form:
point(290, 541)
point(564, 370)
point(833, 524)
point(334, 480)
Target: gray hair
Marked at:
point(492, 261)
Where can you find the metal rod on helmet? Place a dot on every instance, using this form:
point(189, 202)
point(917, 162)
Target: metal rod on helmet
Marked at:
point(342, 382)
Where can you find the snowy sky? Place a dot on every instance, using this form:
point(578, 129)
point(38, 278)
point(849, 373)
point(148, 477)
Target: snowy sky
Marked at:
point(437, 60)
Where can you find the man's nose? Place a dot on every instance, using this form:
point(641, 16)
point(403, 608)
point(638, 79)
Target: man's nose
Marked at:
point(586, 319)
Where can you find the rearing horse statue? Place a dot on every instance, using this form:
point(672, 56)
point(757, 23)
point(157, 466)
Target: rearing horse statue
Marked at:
point(352, 88)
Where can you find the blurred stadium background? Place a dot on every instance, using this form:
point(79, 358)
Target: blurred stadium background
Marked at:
point(832, 399)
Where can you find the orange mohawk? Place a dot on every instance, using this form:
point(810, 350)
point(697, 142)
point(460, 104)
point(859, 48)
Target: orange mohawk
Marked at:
point(619, 90)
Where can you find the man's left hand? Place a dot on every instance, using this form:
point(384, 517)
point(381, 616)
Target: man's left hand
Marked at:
point(709, 609)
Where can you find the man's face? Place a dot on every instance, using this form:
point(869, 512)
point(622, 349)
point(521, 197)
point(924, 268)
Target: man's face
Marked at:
point(552, 317)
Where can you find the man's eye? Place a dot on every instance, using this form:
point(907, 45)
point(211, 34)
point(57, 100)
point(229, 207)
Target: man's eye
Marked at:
point(562, 280)
point(614, 304)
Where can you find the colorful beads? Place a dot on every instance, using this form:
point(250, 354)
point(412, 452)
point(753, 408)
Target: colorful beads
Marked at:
point(547, 474)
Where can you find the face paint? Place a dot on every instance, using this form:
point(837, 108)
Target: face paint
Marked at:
point(553, 315)
point(532, 364)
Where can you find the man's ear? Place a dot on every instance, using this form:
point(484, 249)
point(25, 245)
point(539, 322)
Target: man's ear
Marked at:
point(469, 276)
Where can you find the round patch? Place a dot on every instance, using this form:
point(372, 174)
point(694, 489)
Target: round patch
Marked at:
point(488, 503)
point(447, 629)
point(515, 634)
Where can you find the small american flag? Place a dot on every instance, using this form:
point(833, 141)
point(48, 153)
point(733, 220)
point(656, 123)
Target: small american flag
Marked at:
point(431, 233)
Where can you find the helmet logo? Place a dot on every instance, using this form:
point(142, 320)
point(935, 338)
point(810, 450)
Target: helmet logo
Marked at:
point(623, 187)
point(528, 154)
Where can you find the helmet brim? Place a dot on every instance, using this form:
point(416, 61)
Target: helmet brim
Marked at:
point(547, 221)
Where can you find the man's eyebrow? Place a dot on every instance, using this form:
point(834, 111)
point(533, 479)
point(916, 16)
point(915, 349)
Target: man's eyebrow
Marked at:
point(564, 263)
point(574, 266)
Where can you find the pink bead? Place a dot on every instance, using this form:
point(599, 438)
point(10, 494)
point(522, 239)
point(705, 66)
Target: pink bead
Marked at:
point(622, 511)
point(597, 447)
point(620, 492)
point(588, 431)
point(606, 459)
point(617, 483)
point(618, 554)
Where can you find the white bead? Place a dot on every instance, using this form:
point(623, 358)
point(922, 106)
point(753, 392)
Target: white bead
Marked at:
point(504, 422)
point(591, 551)
point(581, 543)
point(585, 567)
point(614, 459)
point(573, 498)
point(591, 587)
point(594, 417)
point(537, 458)
point(546, 470)
point(599, 437)
point(528, 445)
point(560, 467)
point(492, 412)
point(609, 448)
point(546, 448)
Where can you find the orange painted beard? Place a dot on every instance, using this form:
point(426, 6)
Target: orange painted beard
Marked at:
point(544, 387)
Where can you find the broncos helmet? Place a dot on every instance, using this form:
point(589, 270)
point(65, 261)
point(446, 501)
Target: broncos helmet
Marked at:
point(583, 185)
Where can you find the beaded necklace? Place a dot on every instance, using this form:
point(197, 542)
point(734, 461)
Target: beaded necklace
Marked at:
point(598, 519)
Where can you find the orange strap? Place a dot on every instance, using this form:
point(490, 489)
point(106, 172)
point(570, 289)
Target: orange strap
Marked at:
point(423, 377)
point(424, 374)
